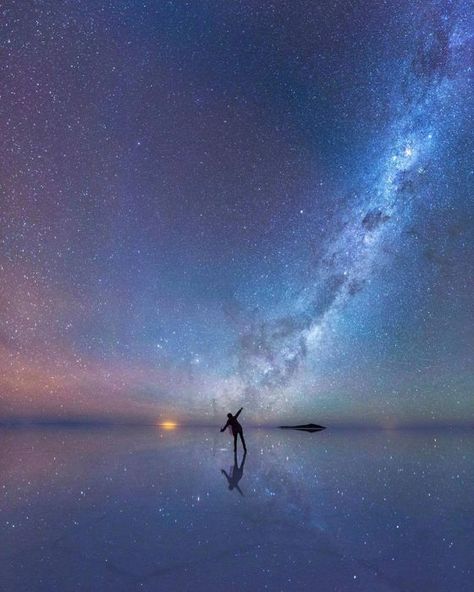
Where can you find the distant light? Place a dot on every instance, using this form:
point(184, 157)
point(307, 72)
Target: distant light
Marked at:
point(168, 425)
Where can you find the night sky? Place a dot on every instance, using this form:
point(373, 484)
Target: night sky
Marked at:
point(209, 204)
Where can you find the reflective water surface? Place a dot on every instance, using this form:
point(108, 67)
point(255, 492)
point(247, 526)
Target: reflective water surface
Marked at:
point(153, 509)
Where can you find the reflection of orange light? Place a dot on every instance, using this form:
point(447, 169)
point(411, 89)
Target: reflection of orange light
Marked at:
point(168, 425)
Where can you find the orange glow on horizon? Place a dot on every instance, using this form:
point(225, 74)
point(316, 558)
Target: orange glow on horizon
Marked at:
point(168, 425)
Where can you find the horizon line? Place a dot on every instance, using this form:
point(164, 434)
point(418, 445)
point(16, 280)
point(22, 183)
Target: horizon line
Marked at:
point(161, 423)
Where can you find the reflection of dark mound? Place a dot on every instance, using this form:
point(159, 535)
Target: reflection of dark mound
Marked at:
point(308, 427)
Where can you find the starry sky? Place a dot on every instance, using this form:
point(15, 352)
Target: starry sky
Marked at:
point(209, 204)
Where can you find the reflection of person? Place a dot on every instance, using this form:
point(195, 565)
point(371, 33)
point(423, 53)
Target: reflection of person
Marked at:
point(236, 474)
point(236, 428)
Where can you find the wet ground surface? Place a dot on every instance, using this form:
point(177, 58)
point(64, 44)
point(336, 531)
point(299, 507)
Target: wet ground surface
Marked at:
point(152, 509)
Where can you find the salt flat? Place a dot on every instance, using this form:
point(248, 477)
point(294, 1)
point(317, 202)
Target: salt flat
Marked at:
point(151, 509)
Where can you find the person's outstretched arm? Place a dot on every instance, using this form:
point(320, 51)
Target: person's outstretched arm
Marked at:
point(223, 429)
point(238, 413)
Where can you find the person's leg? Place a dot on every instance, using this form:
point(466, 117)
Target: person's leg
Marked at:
point(243, 441)
point(235, 442)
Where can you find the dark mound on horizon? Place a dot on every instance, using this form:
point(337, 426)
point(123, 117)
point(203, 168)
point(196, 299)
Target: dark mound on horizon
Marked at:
point(308, 427)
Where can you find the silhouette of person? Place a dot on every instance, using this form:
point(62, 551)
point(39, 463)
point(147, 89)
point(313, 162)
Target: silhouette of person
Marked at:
point(236, 474)
point(236, 429)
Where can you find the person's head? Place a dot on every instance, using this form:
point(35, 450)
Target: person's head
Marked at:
point(229, 415)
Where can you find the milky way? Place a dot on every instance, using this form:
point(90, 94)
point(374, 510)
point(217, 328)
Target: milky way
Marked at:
point(207, 206)
point(272, 352)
